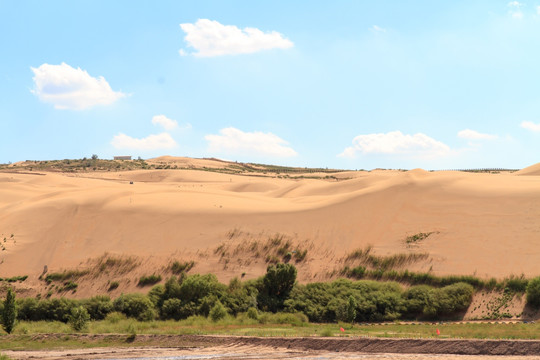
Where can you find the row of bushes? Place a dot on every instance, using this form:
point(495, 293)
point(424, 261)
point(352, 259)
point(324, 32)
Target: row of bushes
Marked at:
point(513, 283)
point(277, 291)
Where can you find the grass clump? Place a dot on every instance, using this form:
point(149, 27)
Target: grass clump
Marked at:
point(65, 275)
point(416, 238)
point(178, 267)
point(15, 279)
point(119, 265)
point(146, 280)
point(367, 258)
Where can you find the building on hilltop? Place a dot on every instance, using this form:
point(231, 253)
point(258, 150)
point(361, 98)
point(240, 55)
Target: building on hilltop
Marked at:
point(122, 158)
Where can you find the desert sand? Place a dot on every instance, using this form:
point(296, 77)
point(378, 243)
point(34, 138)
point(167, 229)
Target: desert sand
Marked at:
point(486, 224)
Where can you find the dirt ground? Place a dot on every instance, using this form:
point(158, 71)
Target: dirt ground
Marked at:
point(231, 347)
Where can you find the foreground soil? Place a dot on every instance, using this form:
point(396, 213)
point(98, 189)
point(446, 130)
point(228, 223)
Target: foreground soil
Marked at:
point(230, 347)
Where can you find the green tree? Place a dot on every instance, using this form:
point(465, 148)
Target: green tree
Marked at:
point(9, 314)
point(351, 309)
point(276, 286)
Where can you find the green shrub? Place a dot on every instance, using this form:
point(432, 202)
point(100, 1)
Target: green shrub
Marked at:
point(416, 299)
point(533, 292)
point(171, 309)
point(98, 307)
point(218, 312)
point(517, 284)
point(28, 309)
point(79, 318)
point(55, 309)
point(252, 313)
point(115, 317)
point(137, 306)
point(449, 300)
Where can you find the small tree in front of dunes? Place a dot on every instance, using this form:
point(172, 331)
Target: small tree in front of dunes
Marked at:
point(9, 314)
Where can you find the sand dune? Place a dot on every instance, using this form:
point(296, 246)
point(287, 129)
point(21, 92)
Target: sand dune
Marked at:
point(533, 170)
point(483, 224)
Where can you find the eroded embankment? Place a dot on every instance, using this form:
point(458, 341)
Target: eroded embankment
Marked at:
point(349, 344)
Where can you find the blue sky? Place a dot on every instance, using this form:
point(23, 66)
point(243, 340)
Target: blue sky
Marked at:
point(341, 84)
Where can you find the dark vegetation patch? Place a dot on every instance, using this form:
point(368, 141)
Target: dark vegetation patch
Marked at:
point(274, 249)
point(146, 280)
point(178, 267)
point(117, 264)
point(416, 238)
point(384, 262)
point(15, 279)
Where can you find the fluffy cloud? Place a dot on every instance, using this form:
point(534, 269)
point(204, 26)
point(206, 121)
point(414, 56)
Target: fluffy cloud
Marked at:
point(236, 141)
point(529, 125)
point(378, 29)
point(69, 88)
point(210, 38)
point(475, 135)
point(396, 143)
point(515, 9)
point(151, 142)
point(165, 122)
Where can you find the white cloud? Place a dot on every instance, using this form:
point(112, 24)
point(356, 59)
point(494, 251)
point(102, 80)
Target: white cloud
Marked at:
point(538, 10)
point(210, 38)
point(515, 9)
point(151, 142)
point(529, 125)
point(396, 143)
point(236, 141)
point(165, 122)
point(69, 88)
point(378, 29)
point(475, 135)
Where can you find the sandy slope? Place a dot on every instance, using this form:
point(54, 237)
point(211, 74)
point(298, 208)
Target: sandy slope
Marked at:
point(484, 224)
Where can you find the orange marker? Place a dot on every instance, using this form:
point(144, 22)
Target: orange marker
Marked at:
point(438, 332)
point(342, 329)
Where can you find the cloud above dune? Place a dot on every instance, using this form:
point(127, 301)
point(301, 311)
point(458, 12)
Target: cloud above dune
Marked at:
point(68, 88)
point(232, 140)
point(395, 143)
point(165, 122)
point(529, 125)
point(210, 38)
point(475, 135)
point(151, 142)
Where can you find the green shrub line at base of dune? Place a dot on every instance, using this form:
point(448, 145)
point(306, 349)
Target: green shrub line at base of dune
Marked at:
point(277, 292)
